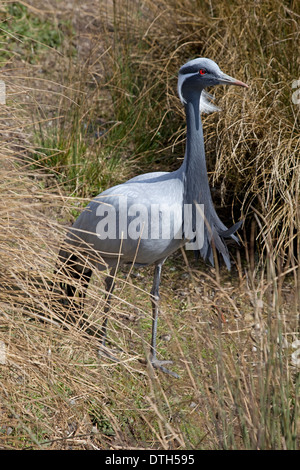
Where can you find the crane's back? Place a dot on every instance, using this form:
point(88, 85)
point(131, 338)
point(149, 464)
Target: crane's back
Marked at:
point(138, 221)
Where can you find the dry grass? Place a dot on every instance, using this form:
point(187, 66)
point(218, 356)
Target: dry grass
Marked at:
point(230, 336)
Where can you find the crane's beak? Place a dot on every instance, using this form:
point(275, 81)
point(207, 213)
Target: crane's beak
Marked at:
point(227, 80)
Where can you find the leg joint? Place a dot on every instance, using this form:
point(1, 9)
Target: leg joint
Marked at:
point(154, 296)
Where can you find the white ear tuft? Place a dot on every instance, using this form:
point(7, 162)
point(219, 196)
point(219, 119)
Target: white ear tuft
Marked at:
point(181, 79)
point(206, 105)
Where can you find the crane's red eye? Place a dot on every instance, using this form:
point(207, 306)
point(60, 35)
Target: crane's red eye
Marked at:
point(202, 71)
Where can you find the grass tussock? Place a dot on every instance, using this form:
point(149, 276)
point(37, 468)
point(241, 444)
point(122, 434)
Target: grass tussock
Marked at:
point(91, 100)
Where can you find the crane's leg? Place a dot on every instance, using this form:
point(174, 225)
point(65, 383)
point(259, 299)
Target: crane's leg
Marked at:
point(109, 287)
point(73, 269)
point(155, 311)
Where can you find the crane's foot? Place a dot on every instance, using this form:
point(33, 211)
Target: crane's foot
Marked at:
point(159, 365)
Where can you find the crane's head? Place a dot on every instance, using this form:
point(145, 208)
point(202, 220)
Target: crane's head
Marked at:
point(200, 73)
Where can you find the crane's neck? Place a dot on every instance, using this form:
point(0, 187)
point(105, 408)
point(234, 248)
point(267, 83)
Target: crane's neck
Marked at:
point(196, 186)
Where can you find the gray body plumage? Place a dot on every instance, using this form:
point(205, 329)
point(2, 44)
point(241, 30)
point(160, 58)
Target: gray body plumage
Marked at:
point(123, 249)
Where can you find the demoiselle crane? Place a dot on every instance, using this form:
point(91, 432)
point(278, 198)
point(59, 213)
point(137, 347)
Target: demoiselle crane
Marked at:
point(147, 218)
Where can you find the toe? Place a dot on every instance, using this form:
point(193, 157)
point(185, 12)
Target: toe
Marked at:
point(159, 365)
